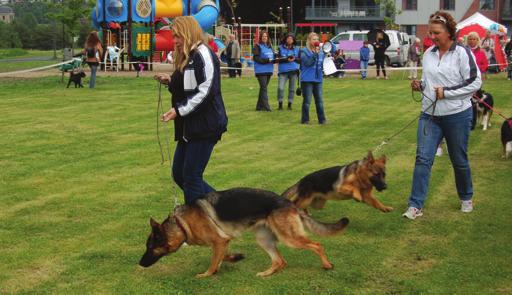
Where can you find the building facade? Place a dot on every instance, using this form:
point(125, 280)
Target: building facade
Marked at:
point(415, 13)
point(347, 14)
point(6, 14)
point(413, 19)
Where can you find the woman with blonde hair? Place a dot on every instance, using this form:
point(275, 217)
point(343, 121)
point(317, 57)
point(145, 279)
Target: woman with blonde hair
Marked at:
point(197, 107)
point(93, 52)
point(473, 42)
point(311, 77)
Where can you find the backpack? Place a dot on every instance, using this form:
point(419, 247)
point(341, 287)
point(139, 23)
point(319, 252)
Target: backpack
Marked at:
point(90, 52)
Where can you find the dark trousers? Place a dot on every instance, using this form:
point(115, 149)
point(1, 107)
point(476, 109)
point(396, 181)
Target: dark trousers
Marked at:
point(190, 160)
point(380, 62)
point(231, 65)
point(262, 104)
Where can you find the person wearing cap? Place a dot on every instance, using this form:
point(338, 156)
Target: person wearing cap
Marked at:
point(287, 69)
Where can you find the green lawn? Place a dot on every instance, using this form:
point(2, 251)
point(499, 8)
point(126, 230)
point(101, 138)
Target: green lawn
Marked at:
point(81, 175)
point(9, 54)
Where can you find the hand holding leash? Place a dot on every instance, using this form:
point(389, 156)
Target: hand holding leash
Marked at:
point(170, 115)
point(163, 78)
point(439, 92)
point(416, 85)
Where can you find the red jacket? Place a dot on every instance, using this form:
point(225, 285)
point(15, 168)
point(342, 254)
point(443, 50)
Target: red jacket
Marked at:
point(481, 59)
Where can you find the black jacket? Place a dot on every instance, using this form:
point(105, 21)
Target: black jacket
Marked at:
point(197, 98)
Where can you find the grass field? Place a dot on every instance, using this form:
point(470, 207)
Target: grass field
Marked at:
point(30, 56)
point(81, 175)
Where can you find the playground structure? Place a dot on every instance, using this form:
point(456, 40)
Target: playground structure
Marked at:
point(140, 28)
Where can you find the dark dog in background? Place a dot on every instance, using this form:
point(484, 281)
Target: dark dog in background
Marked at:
point(221, 216)
point(481, 112)
point(353, 181)
point(506, 138)
point(76, 76)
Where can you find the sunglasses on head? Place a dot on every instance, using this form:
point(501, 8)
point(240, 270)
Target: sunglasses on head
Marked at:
point(438, 17)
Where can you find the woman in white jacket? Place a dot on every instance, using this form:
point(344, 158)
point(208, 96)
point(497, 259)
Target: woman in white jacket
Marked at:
point(450, 77)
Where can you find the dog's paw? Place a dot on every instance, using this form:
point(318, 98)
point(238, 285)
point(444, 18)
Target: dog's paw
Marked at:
point(328, 266)
point(204, 275)
point(387, 209)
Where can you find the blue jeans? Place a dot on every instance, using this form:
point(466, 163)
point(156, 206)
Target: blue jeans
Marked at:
point(92, 80)
point(455, 129)
point(315, 89)
point(364, 67)
point(292, 77)
point(190, 160)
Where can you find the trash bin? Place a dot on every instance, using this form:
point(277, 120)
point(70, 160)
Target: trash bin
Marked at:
point(67, 53)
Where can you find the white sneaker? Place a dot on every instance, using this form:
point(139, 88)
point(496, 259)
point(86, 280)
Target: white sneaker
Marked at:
point(439, 151)
point(412, 213)
point(466, 206)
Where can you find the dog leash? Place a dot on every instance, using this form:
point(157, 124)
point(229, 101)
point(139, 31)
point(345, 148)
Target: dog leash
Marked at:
point(159, 113)
point(387, 139)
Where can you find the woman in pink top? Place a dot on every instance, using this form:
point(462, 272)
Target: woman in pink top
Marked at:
point(480, 57)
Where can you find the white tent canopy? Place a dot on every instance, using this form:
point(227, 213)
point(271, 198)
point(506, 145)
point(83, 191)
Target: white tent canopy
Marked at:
point(481, 20)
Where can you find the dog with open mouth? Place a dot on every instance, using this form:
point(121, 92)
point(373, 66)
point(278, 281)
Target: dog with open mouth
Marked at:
point(352, 181)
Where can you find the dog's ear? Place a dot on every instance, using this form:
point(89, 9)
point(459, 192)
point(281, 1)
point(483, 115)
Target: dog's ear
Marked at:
point(383, 159)
point(369, 157)
point(153, 223)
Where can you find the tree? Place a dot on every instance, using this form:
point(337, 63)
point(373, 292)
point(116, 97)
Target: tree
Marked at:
point(391, 11)
point(71, 14)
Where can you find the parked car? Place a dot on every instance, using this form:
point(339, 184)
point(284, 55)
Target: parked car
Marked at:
point(396, 54)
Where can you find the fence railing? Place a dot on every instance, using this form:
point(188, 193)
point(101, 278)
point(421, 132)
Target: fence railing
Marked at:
point(334, 13)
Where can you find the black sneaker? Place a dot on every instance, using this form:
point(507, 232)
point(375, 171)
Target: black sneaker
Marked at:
point(280, 106)
point(290, 106)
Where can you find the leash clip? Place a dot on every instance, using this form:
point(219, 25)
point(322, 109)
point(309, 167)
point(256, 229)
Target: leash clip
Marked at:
point(383, 143)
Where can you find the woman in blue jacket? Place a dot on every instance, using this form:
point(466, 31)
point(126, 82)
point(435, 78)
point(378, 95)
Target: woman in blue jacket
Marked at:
point(197, 107)
point(288, 69)
point(311, 76)
point(263, 56)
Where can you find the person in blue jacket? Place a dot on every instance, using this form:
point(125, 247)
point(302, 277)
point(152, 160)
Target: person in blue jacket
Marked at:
point(364, 57)
point(311, 76)
point(197, 108)
point(288, 69)
point(263, 56)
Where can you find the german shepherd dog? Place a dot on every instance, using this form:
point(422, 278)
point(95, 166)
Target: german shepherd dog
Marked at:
point(506, 138)
point(221, 216)
point(353, 181)
point(483, 112)
point(76, 77)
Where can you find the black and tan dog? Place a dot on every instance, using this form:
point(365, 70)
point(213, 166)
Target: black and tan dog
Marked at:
point(221, 216)
point(353, 181)
point(76, 76)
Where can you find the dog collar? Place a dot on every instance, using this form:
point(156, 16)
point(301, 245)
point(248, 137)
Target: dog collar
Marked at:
point(180, 225)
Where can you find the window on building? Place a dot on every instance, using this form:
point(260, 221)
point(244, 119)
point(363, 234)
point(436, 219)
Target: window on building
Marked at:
point(447, 5)
point(410, 30)
point(410, 4)
point(486, 4)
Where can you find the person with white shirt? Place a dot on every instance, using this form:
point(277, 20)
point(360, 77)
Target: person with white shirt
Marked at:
point(450, 77)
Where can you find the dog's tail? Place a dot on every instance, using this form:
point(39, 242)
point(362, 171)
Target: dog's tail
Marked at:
point(321, 228)
point(291, 192)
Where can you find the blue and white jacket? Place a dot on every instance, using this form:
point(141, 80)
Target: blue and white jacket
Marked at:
point(263, 56)
point(286, 66)
point(456, 72)
point(200, 108)
point(311, 66)
point(364, 53)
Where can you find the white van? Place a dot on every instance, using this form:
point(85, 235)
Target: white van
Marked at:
point(396, 54)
